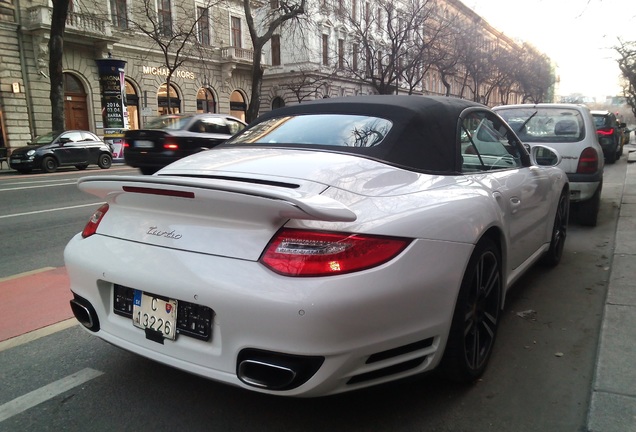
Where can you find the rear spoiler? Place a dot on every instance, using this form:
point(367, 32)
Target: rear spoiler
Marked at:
point(290, 203)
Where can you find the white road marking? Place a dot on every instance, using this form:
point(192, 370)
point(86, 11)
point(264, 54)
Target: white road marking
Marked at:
point(50, 210)
point(71, 183)
point(36, 397)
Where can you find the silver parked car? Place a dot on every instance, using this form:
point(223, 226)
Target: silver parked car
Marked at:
point(569, 129)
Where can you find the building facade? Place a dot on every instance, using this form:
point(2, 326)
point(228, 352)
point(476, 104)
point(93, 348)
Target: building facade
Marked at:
point(211, 67)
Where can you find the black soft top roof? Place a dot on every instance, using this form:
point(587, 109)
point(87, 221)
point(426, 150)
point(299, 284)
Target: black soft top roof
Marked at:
point(424, 136)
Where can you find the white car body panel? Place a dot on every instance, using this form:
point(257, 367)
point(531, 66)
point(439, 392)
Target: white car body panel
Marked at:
point(213, 255)
point(200, 232)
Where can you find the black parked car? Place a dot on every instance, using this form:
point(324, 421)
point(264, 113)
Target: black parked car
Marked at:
point(174, 136)
point(70, 148)
point(610, 134)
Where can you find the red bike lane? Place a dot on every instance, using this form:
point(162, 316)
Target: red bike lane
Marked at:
point(33, 300)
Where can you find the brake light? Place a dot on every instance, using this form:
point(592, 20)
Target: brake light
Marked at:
point(170, 144)
point(94, 221)
point(605, 131)
point(295, 252)
point(588, 161)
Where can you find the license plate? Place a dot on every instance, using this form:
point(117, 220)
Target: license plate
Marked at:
point(144, 144)
point(154, 313)
point(15, 161)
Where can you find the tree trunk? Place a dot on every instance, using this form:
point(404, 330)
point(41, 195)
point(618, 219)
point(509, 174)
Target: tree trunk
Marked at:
point(56, 74)
point(257, 83)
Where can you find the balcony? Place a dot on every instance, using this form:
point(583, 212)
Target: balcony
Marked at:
point(85, 28)
point(238, 55)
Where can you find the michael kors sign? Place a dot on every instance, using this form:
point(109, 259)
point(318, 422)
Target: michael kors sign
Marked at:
point(162, 71)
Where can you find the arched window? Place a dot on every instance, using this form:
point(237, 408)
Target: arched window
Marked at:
point(168, 103)
point(205, 101)
point(238, 107)
point(132, 106)
point(278, 102)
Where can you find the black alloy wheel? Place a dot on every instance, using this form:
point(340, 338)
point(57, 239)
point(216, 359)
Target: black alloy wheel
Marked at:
point(104, 161)
point(476, 317)
point(49, 164)
point(559, 231)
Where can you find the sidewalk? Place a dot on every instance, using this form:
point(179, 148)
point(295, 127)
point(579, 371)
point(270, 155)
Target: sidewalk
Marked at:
point(613, 392)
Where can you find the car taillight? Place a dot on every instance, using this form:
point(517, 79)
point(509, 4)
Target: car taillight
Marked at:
point(294, 252)
point(588, 161)
point(605, 131)
point(171, 144)
point(94, 221)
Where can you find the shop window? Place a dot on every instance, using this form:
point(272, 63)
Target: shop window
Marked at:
point(132, 106)
point(238, 107)
point(168, 103)
point(205, 101)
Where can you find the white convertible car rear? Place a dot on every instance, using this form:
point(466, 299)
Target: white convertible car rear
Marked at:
point(330, 246)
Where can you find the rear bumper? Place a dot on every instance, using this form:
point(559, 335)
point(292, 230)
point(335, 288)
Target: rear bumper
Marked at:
point(583, 186)
point(369, 327)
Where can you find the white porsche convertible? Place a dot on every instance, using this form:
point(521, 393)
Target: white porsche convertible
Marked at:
point(330, 246)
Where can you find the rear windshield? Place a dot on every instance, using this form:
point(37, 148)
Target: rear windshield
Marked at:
point(600, 121)
point(553, 124)
point(341, 130)
point(168, 122)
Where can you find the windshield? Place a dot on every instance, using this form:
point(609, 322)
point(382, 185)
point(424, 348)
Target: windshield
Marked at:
point(168, 122)
point(341, 130)
point(549, 124)
point(43, 139)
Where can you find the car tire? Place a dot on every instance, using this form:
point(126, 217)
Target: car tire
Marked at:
point(105, 161)
point(476, 316)
point(81, 167)
point(559, 231)
point(587, 211)
point(148, 170)
point(611, 157)
point(49, 164)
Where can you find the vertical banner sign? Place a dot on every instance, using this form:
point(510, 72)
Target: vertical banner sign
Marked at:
point(112, 86)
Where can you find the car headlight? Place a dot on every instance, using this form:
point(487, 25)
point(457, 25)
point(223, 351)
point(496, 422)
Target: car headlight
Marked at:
point(30, 152)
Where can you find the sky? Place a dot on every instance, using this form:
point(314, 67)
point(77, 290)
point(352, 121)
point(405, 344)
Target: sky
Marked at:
point(578, 35)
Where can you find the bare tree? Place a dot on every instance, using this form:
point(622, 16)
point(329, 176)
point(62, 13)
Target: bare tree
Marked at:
point(627, 65)
point(271, 17)
point(306, 83)
point(56, 70)
point(536, 76)
point(175, 38)
point(392, 44)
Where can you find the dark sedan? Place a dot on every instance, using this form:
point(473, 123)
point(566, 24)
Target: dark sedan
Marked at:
point(69, 148)
point(174, 136)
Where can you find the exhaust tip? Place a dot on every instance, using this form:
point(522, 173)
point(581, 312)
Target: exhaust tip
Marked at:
point(85, 313)
point(275, 371)
point(265, 375)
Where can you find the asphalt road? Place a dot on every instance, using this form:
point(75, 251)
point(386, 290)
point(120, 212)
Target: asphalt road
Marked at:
point(538, 380)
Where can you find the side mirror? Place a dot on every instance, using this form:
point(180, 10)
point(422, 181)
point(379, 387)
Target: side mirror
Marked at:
point(622, 125)
point(544, 156)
